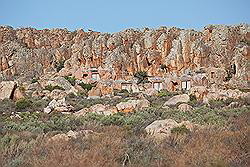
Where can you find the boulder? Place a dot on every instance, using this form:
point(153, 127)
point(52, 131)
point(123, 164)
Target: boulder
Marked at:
point(62, 82)
point(131, 105)
point(233, 105)
point(18, 94)
point(71, 135)
point(200, 92)
point(98, 108)
point(184, 98)
point(7, 89)
point(102, 109)
point(58, 106)
point(82, 112)
point(185, 107)
point(94, 93)
point(151, 92)
point(57, 94)
point(160, 129)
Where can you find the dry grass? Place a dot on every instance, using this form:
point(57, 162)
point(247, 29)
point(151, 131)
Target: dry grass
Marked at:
point(115, 146)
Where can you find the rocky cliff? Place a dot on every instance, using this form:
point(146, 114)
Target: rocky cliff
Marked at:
point(27, 52)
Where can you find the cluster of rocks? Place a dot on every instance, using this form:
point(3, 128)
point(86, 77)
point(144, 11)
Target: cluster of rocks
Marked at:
point(128, 106)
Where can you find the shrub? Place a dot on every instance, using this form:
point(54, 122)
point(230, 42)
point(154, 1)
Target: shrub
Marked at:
point(51, 88)
point(59, 65)
point(123, 92)
point(23, 104)
point(22, 88)
point(34, 80)
point(72, 80)
point(180, 130)
point(7, 106)
point(163, 93)
point(216, 103)
point(87, 87)
point(142, 77)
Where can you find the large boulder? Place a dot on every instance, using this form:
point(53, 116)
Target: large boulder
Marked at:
point(7, 89)
point(94, 93)
point(18, 94)
point(160, 129)
point(58, 106)
point(131, 105)
point(185, 107)
point(62, 82)
point(184, 98)
point(200, 92)
point(151, 92)
point(102, 109)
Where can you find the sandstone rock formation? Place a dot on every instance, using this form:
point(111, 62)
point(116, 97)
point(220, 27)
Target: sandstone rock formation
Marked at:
point(26, 53)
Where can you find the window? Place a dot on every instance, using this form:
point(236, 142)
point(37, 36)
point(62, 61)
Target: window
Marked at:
point(126, 87)
point(212, 75)
point(157, 86)
point(185, 85)
point(95, 76)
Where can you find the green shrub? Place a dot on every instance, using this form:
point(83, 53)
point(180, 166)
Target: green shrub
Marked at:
point(142, 77)
point(51, 88)
point(59, 65)
point(216, 103)
point(86, 86)
point(180, 130)
point(7, 106)
point(23, 104)
point(72, 80)
point(22, 88)
point(115, 119)
point(163, 93)
point(123, 93)
point(193, 101)
point(34, 80)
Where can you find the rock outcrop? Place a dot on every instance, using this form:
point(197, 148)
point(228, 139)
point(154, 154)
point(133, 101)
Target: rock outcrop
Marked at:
point(7, 89)
point(161, 129)
point(184, 98)
point(132, 105)
point(27, 53)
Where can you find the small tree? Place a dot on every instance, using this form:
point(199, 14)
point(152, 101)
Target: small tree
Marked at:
point(142, 77)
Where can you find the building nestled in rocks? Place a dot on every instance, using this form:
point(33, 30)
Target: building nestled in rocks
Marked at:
point(158, 83)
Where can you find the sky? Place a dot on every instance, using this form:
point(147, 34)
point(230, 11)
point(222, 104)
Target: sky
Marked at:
point(117, 15)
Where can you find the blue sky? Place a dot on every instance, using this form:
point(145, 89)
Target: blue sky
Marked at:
point(117, 15)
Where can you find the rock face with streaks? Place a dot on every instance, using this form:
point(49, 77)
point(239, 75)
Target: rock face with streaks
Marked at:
point(28, 53)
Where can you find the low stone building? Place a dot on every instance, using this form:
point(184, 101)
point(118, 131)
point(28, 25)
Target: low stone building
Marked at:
point(157, 83)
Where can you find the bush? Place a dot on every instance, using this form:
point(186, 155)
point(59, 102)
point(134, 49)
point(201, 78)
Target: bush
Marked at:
point(163, 93)
point(123, 93)
point(23, 104)
point(34, 80)
point(142, 77)
point(51, 88)
point(180, 130)
point(59, 65)
point(7, 106)
point(72, 80)
point(87, 87)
